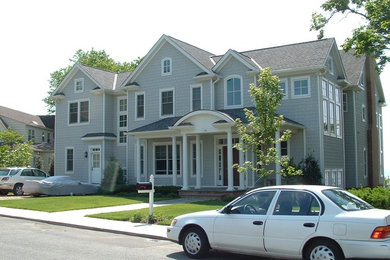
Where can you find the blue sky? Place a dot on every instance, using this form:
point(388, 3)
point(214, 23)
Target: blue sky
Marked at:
point(40, 36)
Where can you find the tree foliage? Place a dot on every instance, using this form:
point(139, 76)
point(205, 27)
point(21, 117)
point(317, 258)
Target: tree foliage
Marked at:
point(95, 58)
point(372, 38)
point(258, 134)
point(13, 150)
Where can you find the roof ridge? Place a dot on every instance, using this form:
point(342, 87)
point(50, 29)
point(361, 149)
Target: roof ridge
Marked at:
point(212, 54)
point(286, 45)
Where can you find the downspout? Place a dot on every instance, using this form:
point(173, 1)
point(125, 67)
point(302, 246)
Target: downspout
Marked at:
point(355, 139)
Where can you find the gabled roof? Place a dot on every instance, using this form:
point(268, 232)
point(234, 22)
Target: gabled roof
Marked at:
point(353, 66)
point(244, 59)
point(199, 57)
point(299, 55)
point(27, 119)
point(104, 79)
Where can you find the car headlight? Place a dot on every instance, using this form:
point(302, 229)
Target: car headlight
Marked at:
point(173, 223)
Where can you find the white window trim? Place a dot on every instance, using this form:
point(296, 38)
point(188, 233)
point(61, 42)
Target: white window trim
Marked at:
point(288, 148)
point(201, 95)
point(66, 159)
point(160, 102)
point(121, 129)
point(78, 112)
point(75, 85)
point(136, 106)
point(293, 96)
point(285, 96)
point(162, 67)
point(225, 92)
point(191, 158)
point(177, 152)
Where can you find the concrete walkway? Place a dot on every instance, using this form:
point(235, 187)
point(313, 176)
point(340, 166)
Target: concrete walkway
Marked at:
point(77, 218)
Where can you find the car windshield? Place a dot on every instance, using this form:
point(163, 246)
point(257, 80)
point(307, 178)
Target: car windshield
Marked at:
point(4, 172)
point(346, 200)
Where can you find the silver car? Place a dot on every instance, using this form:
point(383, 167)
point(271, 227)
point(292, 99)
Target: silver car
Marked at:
point(13, 179)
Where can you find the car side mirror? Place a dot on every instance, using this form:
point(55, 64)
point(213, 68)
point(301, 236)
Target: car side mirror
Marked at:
point(227, 209)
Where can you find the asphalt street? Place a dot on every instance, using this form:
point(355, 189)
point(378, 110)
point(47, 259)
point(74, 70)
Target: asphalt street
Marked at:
point(29, 240)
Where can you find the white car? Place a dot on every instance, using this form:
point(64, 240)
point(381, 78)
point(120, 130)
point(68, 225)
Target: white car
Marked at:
point(309, 222)
point(13, 179)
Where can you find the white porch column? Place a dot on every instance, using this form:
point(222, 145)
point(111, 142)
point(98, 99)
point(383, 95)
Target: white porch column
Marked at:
point(138, 159)
point(241, 161)
point(185, 162)
point(278, 167)
point(174, 161)
point(198, 170)
point(230, 160)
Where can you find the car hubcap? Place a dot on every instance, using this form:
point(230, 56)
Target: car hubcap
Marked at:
point(322, 253)
point(192, 243)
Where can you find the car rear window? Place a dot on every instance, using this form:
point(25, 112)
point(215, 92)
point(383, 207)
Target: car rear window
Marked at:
point(346, 200)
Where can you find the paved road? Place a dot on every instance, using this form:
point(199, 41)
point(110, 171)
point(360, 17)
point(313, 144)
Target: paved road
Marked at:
point(22, 239)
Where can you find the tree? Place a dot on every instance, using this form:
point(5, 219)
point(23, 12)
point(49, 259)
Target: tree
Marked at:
point(13, 150)
point(97, 59)
point(258, 134)
point(372, 38)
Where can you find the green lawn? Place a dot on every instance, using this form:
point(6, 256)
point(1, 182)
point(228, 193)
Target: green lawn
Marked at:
point(162, 215)
point(63, 203)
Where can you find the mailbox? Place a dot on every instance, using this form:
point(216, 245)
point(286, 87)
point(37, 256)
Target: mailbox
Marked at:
point(143, 187)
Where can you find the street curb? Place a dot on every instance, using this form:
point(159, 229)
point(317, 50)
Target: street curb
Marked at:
point(89, 228)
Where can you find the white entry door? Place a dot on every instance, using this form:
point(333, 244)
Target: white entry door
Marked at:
point(96, 165)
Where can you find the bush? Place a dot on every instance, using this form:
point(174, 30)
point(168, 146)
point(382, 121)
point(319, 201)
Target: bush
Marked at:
point(311, 173)
point(379, 197)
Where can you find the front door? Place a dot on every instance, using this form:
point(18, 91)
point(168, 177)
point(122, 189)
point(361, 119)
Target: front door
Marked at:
point(236, 177)
point(96, 166)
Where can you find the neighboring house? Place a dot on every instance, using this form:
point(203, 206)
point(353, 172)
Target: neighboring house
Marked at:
point(174, 115)
point(39, 129)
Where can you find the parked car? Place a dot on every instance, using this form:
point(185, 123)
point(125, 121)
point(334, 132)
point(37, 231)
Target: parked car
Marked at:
point(309, 222)
point(59, 185)
point(13, 179)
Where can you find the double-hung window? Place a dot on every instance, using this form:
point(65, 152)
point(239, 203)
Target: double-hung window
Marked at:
point(233, 87)
point(166, 66)
point(122, 119)
point(331, 108)
point(196, 97)
point(283, 88)
point(140, 105)
point(31, 134)
point(79, 112)
point(69, 159)
point(163, 159)
point(300, 87)
point(78, 85)
point(167, 103)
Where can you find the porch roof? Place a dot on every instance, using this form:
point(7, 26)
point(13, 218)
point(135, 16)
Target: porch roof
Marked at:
point(166, 123)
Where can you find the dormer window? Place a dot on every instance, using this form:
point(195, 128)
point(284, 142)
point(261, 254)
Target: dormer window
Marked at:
point(166, 67)
point(78, 85)
point(329, 65)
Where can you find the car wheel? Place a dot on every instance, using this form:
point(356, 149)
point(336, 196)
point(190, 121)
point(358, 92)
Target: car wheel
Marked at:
point(18, 190)
point(323, 249)
point(195, 243)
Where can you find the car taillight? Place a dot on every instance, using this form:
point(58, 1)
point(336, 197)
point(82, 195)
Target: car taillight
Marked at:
point(5, 179)
point(381, 232)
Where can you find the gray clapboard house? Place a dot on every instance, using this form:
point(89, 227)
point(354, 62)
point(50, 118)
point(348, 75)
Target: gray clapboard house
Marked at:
point(174, 115)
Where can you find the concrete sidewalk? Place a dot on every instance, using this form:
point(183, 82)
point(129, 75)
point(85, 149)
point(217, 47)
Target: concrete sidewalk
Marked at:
point(77, 218)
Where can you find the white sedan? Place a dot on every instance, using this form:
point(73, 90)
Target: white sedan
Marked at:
point(309, 222)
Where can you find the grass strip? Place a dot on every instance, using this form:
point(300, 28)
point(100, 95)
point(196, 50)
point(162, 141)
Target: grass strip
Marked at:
point(162, 215)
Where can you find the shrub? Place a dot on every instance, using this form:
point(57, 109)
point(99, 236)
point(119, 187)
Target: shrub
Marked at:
point(379, 197)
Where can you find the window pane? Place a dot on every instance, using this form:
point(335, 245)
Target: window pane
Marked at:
point(84, 111)
point(196, 99)
point(233, 91)
point(69, 160)
point(167, 103)
point(140, 106)
point(73, 110)
point(255, 203)
point(123, 105)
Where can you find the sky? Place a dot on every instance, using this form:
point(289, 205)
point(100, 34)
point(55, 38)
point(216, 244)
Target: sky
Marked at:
point(39, 37)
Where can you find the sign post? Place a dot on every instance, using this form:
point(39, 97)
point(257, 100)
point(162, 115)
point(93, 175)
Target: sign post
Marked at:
point(148, 187)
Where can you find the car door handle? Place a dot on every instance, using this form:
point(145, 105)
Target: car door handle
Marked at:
point(309, 225)
point(258, 223)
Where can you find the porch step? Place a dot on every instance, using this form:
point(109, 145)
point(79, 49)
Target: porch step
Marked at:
point(210, 194)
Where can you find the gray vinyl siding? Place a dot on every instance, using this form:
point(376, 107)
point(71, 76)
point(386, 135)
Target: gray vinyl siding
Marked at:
point(306, 112)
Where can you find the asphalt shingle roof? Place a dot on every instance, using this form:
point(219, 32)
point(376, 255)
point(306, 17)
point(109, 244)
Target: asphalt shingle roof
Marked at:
point(353, 66)
point(22, 117)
